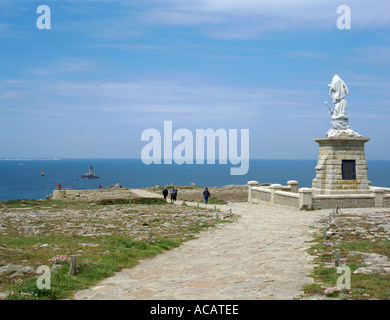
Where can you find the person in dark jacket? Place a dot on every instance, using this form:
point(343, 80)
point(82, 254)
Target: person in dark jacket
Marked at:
point(165, 193)
point(206, 195)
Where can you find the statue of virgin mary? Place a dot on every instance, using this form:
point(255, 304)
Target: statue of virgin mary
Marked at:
point(340, 124)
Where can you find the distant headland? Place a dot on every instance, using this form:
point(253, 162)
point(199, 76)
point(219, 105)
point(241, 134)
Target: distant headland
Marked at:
point(29, 159)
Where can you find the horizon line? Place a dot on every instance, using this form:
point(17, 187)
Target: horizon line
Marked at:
point(121, 158)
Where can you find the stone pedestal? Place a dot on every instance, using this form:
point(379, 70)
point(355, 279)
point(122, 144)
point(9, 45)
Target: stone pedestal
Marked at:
point(341, 166)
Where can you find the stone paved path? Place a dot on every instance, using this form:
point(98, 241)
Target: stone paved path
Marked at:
point(261, 256)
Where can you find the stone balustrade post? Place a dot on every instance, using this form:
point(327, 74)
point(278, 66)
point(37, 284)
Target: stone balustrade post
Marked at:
point(293, 185)
point(250, 185)
point(305, 198)
point(379, 194)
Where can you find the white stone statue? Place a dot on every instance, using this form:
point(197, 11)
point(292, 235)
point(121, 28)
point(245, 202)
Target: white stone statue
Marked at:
point(340, 125)
point(338, 90)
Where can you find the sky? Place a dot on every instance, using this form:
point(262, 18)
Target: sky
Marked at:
point(107, 70)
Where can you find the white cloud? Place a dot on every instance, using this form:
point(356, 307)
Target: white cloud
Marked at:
point(251, 18)
point(65, 66)
point(236, 19)
point(149, 99)
point(377, 55)
point(152, 97)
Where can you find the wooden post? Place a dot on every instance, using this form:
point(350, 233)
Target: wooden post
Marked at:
point(324, 234)
point(196, 224)
point(150, 234)
point(337, 209)
point(215, 208)
point(73, 265)
point(217, 216)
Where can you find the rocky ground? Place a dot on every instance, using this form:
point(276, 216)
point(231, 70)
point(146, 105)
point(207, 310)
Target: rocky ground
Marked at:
point(87, 216)
point(267, 253)
point(363, 226)
point(362, 237)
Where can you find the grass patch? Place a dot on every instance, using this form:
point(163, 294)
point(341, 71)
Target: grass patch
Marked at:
point(97, 263)
point(105, 202)
point(44, 203)
point(313, 289)
point(140, 200)
point(215, 201)
point(183, 187)
point(149, 201)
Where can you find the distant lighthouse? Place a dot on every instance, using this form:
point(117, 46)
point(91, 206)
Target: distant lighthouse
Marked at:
point(90, 175)
point(42, 173)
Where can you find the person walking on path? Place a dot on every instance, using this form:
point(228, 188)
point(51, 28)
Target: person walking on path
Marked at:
point(172, 194)
point(100, 186)
point(59, 186)
point(206, 195)
point(165, 193)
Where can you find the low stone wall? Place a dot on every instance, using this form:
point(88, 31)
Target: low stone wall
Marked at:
point(261, 194)
point(343, 201)
point(288, 199)
point(386, 201)
point(275, 194)
point(305, 198)
point(58, 194)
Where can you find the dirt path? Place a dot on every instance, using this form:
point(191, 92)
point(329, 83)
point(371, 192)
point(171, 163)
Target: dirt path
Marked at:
point(261, 256)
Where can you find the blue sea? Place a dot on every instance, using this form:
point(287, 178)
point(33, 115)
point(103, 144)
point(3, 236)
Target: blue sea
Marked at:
point(22, 179)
